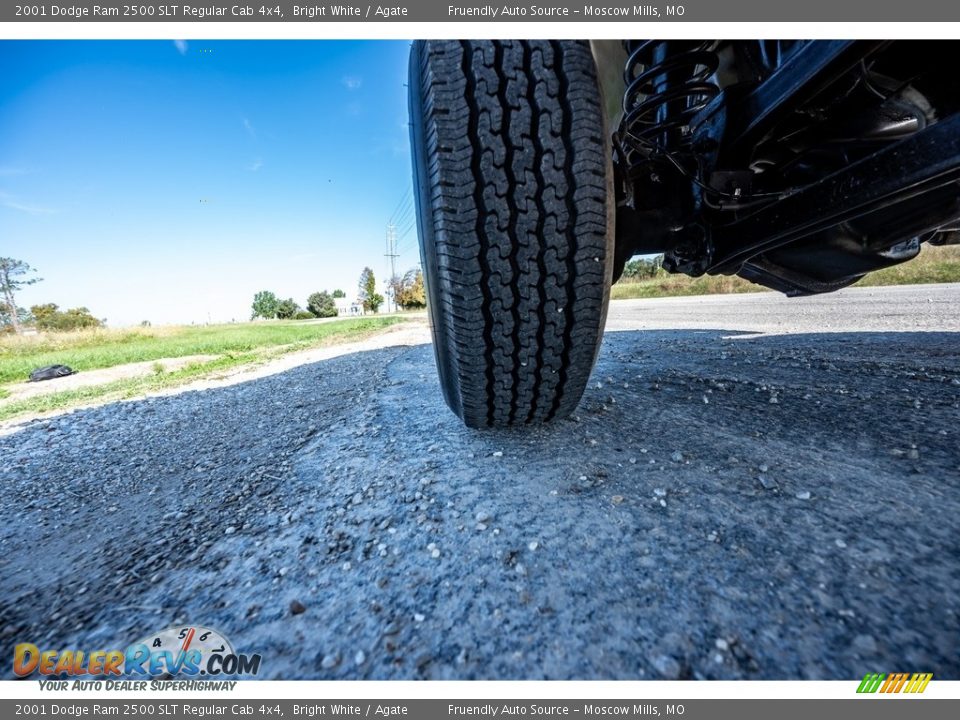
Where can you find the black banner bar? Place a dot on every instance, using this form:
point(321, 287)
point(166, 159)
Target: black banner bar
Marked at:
point(156, 707)
point(445, 11)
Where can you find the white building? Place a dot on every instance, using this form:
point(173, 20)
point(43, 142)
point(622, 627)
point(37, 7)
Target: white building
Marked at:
point(347, 308)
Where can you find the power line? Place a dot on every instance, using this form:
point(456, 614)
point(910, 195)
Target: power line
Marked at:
point(391, 254)
point(403, 232)
point(400, 202)
point(403, 199)
point(405, 215)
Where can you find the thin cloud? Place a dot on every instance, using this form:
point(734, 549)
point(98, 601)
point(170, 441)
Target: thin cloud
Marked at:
point(181, 46)
point(351, 82)
point(9, 201)
point(10, 171)
point(248, 126)
point(255, 165)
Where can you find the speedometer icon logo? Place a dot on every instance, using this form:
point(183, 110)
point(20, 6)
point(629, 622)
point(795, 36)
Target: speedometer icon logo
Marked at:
point(186, 638)
point(192, 650)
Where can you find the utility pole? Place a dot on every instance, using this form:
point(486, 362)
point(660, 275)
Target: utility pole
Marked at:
point(392, 255)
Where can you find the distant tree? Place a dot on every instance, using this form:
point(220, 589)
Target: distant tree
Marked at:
point(45, 315)
point(395, 289)
point(339, 294)
point(6, 322)
point(80, 317)
point(287, 309)
point(304, 315)
point(367, 286)
point(13, 277)
point(321, 305)
point(265, 305)
point(411, 294)
point(642, 268)
point(369, 296)
point(50, 317)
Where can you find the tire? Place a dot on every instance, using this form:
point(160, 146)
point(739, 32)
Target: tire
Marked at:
point(513, 191)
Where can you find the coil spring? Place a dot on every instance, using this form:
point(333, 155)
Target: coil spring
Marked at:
point(667, 83)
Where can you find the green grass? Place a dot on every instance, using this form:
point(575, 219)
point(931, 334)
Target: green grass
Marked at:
point(129, 387)
point(933, 265)
point(93, 349)
point(235, 346)
point(678, 285)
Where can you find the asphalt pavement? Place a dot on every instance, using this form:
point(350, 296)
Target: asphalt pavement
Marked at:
point(752, 487)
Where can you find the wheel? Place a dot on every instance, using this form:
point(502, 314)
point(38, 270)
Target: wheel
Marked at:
point(513, 192)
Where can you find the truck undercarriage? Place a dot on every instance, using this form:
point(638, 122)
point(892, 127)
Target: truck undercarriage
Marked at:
point(797, 165)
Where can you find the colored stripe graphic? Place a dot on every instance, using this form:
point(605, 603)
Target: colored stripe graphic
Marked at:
point(894, 682)
point(919, 682)
point(870, 683)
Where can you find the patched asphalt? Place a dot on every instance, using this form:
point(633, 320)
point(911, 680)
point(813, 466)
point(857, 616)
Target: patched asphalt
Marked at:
point(752, 487)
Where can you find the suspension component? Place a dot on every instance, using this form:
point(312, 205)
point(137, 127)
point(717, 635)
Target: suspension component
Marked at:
point(667, 82)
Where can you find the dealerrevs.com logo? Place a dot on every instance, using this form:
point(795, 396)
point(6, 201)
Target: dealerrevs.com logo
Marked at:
point(894, 683)
point(192, 651)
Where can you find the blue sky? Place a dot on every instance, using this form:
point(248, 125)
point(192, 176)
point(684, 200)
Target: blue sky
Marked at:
point(170, 181)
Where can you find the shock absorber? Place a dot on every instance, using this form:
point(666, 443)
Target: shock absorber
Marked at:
point(667, 82)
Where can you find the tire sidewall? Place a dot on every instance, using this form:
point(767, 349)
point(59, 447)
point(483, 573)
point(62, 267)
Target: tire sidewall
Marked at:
point(425, 226)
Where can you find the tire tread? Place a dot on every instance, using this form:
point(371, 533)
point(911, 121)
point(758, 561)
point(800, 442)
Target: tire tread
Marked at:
point(517, 206)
